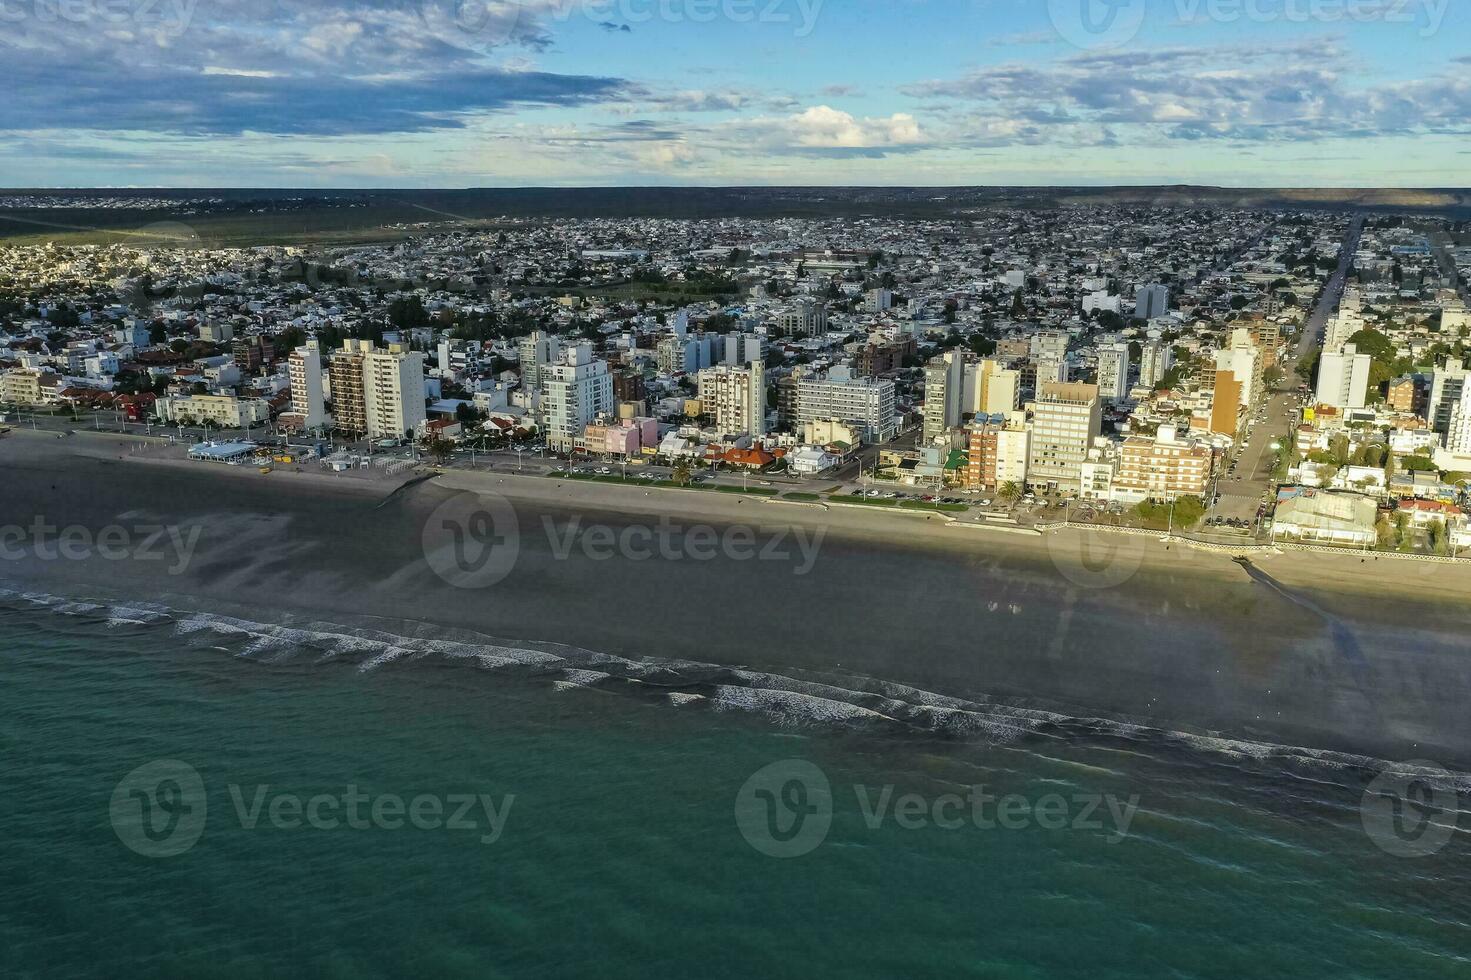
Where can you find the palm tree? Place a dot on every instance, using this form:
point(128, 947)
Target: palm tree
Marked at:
point(1011, 492)
point(682, 472)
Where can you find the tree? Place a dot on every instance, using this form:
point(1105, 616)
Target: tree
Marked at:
point(1011, 492)
point(439, 449)
point(683, 473)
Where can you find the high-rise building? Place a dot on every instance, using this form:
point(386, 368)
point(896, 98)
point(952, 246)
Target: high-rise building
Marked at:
point(393, 392)
point(1162, 467)
point(1155, 362)
point(997, 453)
point(865, 401)
point(1226, 404)
point(1407, 394)
point(345, 372)
point(743, 348)
point(1243, 359)
point(1151, 301)
point(248, 353)
point(806, 318)
point(1447, 386)
point(879, 300)
point(944, 391)
point(736, 397)
point(1113, 372)
point(1458, 430)
point(577, 390)
point(305, 370)
point(1343, 378)
point(1067, 418)
point(990, 388)
point(538, 351)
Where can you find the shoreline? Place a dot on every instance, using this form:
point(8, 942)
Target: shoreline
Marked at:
point(1120, 627)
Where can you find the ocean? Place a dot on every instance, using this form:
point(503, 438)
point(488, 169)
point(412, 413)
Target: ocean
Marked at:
point(185, 794)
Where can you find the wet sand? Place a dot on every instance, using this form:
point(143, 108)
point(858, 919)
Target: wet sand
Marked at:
point(1332, 653)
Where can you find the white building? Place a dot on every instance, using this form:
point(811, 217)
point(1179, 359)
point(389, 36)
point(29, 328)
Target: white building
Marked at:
point(537, 352)
point(866, 401)
point(1113, 372)
point(393, 391)
point(1343, 378)
point(578, 390)
point(1447, 388)
point(1458, 430)
point(736, 397)
point(944, 394)
point(307, 397)
point(1155, 362)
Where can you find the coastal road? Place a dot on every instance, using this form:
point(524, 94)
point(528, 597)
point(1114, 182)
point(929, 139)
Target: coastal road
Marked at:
point(1242, 493)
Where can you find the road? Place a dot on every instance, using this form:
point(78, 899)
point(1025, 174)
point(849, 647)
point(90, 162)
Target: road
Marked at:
point(1241, 494)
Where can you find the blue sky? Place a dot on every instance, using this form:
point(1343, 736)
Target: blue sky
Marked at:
point(457, 93)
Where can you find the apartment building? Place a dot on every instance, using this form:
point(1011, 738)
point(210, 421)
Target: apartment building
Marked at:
point(537, 351)
point(1113, 372)
point(865, 401)
point(806, 318)
point(226, 411)
point(1162, 467)
point(997, 453)
point(345, 374)
point(944, 392)
point(1155, 362)
point(578, 390)
point(308, 400)
point(1066, 420)
point(736, 397)
point(1343, 378)
point(393, 391)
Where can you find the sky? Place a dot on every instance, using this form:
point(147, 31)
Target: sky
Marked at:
point(471, 93)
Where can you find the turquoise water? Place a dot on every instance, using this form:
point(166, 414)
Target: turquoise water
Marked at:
point(623, 852)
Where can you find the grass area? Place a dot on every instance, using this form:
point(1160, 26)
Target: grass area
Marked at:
point(866, 501)
point(810, 498)
point(751, 492)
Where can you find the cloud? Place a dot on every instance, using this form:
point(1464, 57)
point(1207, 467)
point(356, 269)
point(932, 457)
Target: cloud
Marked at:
point(825, 131)
point(1262, 93)
point(289, 67)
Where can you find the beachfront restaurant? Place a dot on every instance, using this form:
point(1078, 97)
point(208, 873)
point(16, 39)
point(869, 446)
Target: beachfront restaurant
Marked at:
point(223, 452)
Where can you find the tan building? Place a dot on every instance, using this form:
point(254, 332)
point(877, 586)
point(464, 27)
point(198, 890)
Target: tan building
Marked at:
point(1162, 468)
point(226, 411)
point(1226, 405)
point(345, 373)
point(28, 387)
point(1066, 420)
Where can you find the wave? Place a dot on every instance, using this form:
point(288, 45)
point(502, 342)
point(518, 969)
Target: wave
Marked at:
point(849, 702)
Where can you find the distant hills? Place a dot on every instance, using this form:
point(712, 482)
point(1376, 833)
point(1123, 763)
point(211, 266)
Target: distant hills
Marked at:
point(242, 216)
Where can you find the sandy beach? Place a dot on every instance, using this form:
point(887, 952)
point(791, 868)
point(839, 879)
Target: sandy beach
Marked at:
point(1333, 652)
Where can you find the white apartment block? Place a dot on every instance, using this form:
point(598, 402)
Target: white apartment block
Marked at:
point(1155, 362)
point(1066, 420)
point(1343, 378)
point(578, 390)
point(944, 393)
point(868, 402)
point(1113, 372)
point(1447, 387)
point(736, 397)
point(393, 391)
point(307, 396)
point(537, 352)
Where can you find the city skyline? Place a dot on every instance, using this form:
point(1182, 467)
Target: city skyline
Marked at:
point(442, 93)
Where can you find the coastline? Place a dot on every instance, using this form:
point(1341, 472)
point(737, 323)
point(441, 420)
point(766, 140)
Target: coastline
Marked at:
point(1124, 629)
